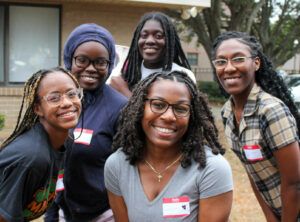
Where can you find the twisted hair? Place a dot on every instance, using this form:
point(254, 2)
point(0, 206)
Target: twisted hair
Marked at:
point(266, 76)
point(27, 117)
point(201, 130)
point(131, 70)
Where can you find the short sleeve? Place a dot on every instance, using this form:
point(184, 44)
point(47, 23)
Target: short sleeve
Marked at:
point(111, 173)
point(279, 126)
point(12, 193)
point(216, 178)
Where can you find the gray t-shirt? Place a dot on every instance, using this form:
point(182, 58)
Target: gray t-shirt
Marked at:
point(189, 183)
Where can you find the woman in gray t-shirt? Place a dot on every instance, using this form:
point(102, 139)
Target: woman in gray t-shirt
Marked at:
point(169, 165)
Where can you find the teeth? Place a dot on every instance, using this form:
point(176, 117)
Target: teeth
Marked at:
point(88, 77)
point(67, 114)
point(165, 130)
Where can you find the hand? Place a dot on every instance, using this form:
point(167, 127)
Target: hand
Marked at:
point(119, 84)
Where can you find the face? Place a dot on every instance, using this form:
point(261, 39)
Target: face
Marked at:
point(89, 77)
point(59, 117)
point(152, 44)
point(165, 130)
point(237, 78)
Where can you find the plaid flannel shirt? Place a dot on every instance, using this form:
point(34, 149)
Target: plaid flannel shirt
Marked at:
point(266, 121)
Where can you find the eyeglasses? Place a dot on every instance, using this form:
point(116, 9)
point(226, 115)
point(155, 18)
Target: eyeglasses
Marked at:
point(100, 64)
point(236, 62)
point(56, 99)
point(159, 106)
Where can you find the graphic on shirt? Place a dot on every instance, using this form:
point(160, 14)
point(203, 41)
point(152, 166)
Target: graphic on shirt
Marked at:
point(176, 207)
point(83, 136)
point(40, 201)
point(253, 152)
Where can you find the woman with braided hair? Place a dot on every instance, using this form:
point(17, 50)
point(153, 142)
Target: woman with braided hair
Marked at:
point(168, 162)
point(31, 157)
point(155, 47)
point(261, 123)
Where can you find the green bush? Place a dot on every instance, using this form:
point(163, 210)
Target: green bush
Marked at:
point(1, 121)
point(212, 90)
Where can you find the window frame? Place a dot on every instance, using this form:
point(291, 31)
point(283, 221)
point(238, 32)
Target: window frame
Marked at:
point(6, 44)
point(193, 59)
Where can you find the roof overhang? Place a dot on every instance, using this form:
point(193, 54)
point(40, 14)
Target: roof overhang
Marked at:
point(174, 3)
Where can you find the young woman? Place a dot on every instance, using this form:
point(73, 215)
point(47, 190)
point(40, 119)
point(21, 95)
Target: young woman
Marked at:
point(31, 157)
point(261, 123)
point(155, 47)
point(89, 54)
point(168, 164)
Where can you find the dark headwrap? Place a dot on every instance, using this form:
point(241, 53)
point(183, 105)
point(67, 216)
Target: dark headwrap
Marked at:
point(85, 33)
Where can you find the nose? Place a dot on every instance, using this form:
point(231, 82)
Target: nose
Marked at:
point(229, 66)
point(91, 67)
point(169, 114)
point(150, 39)
point(65, 101)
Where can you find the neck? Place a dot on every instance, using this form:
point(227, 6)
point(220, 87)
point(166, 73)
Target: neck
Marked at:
point(161, 156)
point(57, 137)
point(156, 65)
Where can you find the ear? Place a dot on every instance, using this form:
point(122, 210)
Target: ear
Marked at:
point(257, 63)
point(38, 110)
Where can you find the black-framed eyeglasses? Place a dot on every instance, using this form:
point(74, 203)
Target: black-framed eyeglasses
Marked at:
point(100, 64)
point(56, 98)
point(160, 106)
point(236, 61)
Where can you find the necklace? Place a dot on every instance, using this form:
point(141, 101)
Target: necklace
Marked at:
point(159, 175)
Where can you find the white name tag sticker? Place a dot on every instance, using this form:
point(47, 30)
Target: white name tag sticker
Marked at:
point(60, 182)
point(176, 207)
point(253, 152)
point(83, 136)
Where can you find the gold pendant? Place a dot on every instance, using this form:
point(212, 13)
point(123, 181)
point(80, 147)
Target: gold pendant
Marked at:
point(159, 177)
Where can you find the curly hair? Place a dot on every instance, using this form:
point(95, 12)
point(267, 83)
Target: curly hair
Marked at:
point(201, 130)
point(266, 76)
point(131, 70)
point(27, 117)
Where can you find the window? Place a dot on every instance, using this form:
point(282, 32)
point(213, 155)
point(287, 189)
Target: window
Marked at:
point(193, 59)
point(32, 41)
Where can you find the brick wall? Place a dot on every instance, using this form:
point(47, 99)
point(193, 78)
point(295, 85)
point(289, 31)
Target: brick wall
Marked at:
point(10, 101)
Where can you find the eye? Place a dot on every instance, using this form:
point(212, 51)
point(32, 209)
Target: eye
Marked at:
point(72, 94)
point(181, 109)
point(238, 59)
point(53, 97)
point(143, 35)
point(158, 105)
point(100, 62)
point(81, 59)
point(159, 35)
point(220, 62)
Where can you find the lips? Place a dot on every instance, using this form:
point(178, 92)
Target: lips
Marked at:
point(165, 130)
point(89, 78)
point(68, 115)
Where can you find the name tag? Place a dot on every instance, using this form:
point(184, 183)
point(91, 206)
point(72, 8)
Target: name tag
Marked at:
point(176, 207)
point(83, 136)
point(253, 152)
point(60, 181)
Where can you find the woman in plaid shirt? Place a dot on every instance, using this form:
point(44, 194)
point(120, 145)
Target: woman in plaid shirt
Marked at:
point(261, 123)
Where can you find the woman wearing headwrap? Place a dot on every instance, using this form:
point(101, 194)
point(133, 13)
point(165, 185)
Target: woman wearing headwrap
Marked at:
point(89, 54)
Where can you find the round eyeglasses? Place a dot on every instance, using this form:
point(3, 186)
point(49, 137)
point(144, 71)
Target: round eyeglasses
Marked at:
point(236, 61)
point(56, 99)
point(100, 64)
point(159, 106)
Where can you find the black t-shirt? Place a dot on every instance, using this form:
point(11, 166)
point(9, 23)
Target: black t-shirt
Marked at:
point(28, 174)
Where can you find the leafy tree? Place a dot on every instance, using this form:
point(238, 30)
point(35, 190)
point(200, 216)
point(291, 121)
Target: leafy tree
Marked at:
point(275, 23)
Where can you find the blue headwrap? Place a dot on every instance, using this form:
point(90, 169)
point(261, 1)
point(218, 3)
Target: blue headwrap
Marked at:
point(86, 33)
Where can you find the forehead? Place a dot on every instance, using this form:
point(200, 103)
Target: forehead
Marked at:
point(91, 49)
point(152, 25)
point(169, 90)
point(232, 47)
point(56, 82)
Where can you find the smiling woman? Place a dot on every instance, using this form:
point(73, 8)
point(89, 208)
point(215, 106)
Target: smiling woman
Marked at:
point(31, 157)
point(168, 162)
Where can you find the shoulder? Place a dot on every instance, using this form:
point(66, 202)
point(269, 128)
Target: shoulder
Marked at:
point(271, 106)
point(176, 67)
point(216, 161)
point(116, 159)
point(111, 93)
point(27, 148)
